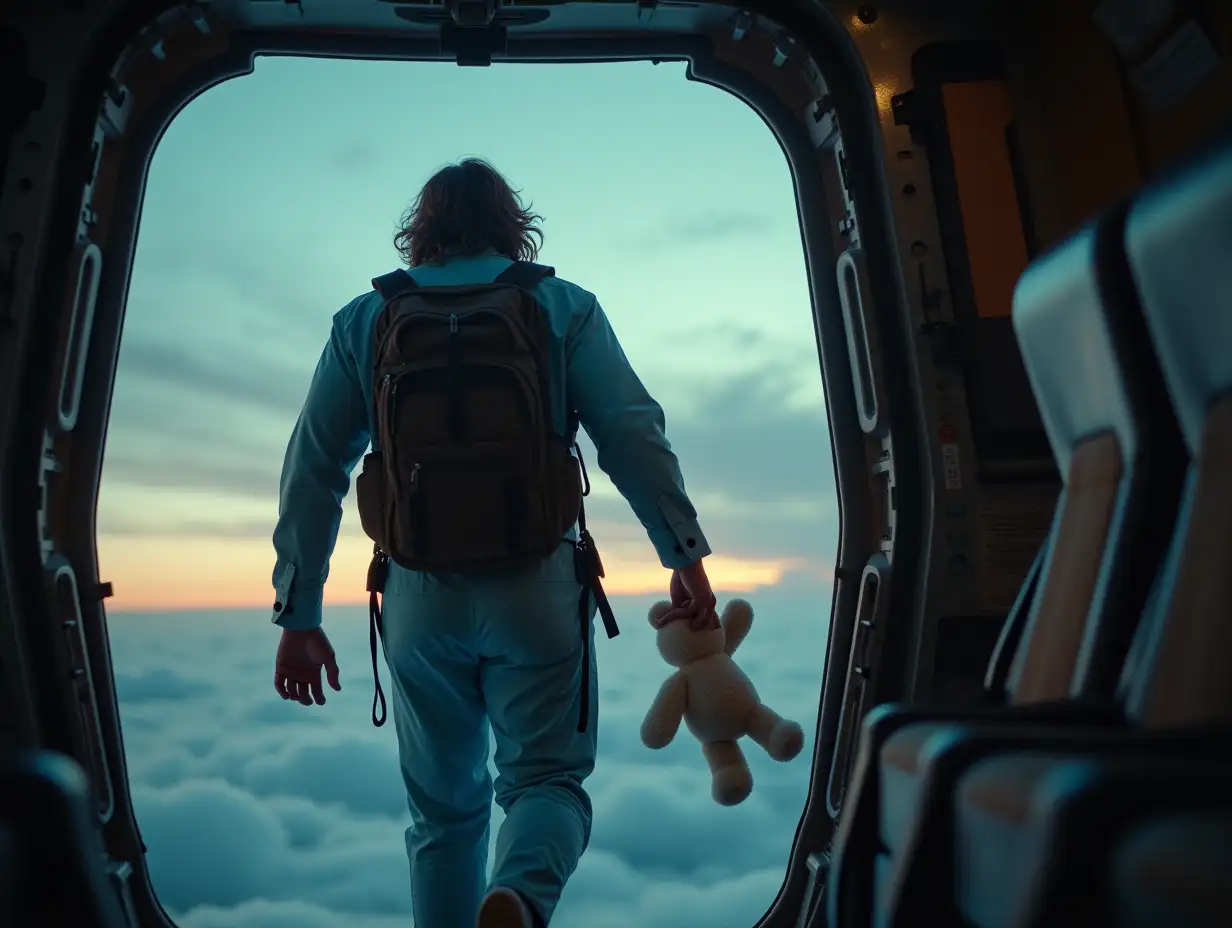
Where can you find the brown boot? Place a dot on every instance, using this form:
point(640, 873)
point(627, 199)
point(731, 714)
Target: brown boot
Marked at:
point(503, 908)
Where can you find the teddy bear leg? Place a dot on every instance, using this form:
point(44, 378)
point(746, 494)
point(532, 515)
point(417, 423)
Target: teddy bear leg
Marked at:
point(782, 738)
point(731, 781)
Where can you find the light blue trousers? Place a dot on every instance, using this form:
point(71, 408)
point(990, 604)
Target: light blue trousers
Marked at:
point(463, 651)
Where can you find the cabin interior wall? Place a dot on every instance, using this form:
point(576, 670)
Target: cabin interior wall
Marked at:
point(1081, 135)
point(1088, 137)
point(1167, 135)
point(1078, 149)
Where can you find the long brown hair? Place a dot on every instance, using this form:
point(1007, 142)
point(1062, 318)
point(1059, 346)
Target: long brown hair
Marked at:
point(465, 209)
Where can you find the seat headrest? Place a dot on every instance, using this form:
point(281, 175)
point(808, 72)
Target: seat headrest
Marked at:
point(1179, 242)
point(1061, 317)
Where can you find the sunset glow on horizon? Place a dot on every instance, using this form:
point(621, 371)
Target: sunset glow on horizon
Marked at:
point(151, 574)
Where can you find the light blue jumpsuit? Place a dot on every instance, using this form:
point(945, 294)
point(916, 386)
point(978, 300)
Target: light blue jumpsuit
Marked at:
point(465, 650)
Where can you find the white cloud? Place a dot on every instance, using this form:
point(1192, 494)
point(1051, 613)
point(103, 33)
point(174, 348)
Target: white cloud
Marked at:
point(260, 813)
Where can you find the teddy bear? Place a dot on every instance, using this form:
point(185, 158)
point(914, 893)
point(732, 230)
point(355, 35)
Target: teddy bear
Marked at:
point(716, 701)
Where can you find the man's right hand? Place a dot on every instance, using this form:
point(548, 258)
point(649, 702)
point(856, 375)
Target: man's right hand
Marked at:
point(692, 598)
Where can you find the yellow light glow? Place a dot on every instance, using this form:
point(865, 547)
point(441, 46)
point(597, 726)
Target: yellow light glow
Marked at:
point(151, 573)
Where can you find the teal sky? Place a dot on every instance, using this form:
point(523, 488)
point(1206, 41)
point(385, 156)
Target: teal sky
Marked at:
point(272, 201)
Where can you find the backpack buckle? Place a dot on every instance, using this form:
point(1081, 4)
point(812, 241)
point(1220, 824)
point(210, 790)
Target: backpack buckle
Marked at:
point(586, 563)
point(378, 570)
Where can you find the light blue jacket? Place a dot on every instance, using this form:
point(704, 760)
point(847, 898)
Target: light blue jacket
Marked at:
point(587, 366)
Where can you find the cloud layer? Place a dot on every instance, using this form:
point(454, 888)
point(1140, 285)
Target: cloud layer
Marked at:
point(263, 813)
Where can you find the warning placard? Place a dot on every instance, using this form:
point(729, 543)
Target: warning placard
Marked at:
point(1010, 530)
point(951, 466)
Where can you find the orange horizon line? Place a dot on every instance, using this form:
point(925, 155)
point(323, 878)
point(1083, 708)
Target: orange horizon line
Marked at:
point(730, 576)
point(202, 607)
point(144, 607)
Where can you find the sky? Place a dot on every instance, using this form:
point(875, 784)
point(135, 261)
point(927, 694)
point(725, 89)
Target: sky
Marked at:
point(271, 203)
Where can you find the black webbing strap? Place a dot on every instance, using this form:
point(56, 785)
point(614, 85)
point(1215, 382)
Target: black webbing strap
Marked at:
point(393, 284)
point(457, 412)
point(524, 274)
point(588, 569)
point(378, 573)
point(390, 285)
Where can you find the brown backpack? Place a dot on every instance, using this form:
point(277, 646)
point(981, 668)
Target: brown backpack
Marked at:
point(467, 472)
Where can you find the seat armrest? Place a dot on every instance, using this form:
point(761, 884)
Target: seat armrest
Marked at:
point(1085, 810)
point(968, 740)
point(951, 753)
point(928, 851)
point(857, 839)
point(887, 718)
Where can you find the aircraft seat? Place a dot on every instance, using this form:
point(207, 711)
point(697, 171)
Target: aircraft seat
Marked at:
point(1173, 871)
point(1178, 685)
point(1102, 397)
point(8, 876)
point(1001, 661)
point(851, 875)
point(1100, 393)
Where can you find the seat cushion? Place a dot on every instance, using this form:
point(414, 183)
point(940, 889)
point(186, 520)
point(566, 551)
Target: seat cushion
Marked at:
point(901, 763)
point(883, 870)
point(1174, 871)
point(996, 854)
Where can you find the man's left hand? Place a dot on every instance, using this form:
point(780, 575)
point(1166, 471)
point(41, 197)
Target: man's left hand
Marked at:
point(297, 666)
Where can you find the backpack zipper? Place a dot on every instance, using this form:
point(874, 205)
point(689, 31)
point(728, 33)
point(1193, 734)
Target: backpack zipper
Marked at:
point(419, 543)
point(390, 397)
point(454, 320)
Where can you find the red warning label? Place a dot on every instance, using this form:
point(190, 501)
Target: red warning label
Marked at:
point(947, 434)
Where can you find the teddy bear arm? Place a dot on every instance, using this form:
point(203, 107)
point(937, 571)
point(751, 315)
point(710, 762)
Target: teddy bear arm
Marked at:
point(735, 628)
point(666, 712)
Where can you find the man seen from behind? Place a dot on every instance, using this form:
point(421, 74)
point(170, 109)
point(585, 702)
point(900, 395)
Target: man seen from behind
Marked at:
point(469, 373)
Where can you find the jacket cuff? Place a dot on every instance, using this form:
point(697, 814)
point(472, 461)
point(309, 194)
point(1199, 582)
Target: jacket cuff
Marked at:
point(681, 542)
point(296, 609)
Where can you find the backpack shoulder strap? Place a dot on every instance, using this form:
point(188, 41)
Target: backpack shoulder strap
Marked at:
point(394, 283)
point(525, 274)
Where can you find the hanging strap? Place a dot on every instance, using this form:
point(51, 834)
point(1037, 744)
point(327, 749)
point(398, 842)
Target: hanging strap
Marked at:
point(395, 283)
point(588, 569)
point(524, 274)
point(378, 573)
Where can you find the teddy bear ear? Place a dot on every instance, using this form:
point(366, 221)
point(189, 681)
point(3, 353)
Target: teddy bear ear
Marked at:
point(738, 609)
point(658, 610)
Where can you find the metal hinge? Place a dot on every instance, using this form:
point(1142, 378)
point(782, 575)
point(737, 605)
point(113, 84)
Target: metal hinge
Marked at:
point(818, 866)
point(48, 465)
point(741, 25)
point(8, 278)
point(119, 872)
point(884, 467)
point(910, 108)
point(473, 34)
point(117, 107)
